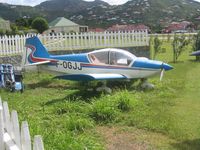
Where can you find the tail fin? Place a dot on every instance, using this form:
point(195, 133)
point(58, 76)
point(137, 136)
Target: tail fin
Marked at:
point(35, 52)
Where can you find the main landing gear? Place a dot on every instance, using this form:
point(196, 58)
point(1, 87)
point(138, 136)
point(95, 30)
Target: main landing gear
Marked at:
point(146, 85)
point(104, 88)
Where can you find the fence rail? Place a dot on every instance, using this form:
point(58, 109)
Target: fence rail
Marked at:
point(10, 45)
point(168, 37)
point(11, 136)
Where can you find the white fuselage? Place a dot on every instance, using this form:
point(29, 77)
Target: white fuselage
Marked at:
point(72, 67)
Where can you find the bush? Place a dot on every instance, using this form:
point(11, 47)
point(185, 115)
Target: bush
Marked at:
point(157, 46)
point(196, 45)
point(179, 45)
point(76, 123)
point(2, 32)
point(123, 101)
point(103, 111)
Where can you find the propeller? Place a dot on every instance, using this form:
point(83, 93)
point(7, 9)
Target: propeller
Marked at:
point(162, 74)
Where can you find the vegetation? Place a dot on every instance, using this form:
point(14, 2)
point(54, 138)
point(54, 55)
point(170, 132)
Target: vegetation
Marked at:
point(40, 24)
point(157, 46)
point(197, 44)
point(179, 44)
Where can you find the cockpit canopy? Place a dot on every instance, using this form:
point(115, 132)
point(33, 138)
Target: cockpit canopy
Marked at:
point(111, 56)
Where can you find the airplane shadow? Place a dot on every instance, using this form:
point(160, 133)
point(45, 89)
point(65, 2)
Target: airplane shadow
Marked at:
point(79, 95)
point(43, 83)
point(194, 60)
point(49, 84)
point(188, 145)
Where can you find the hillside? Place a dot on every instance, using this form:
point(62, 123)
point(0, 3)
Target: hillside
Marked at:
point(100, 14)
point(12, 12)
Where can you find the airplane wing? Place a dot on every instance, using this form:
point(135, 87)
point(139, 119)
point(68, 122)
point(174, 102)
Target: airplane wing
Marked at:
point(88, 77)
point(39, 63)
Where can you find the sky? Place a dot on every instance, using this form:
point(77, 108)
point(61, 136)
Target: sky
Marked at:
point(36, 2)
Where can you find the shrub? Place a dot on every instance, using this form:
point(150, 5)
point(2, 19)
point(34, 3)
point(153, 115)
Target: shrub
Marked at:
point(179, 45)
point(157, 46)
point(103, 111)
point(196, 45)
point(123, 101)
point(76, 123)
point(2, 32)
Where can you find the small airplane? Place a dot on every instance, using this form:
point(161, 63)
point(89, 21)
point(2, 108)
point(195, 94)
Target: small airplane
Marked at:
point(103, 64)
point(195, 53)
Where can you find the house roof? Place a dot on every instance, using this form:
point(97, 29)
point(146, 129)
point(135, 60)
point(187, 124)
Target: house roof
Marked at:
point(61, 22)
point(136, 27)
point(97, 30)
point(2, 20)
point(174, 26)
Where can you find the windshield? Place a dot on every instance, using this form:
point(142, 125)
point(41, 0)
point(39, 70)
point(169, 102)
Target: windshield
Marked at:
point(121, 58)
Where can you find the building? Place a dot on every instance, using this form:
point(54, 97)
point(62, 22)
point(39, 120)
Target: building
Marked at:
point(179, 27)
point(4, 24)
point(133, 27)
point(63, 25)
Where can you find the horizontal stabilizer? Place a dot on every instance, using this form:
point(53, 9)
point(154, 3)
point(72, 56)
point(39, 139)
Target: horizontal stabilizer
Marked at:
point(195, 53)
point(89, 77)
point(39, 63)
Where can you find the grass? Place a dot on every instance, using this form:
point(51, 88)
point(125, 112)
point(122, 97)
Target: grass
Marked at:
point(68, 117)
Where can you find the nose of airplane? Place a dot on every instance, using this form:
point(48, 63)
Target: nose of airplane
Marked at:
point(167, 66)
point(153, 64)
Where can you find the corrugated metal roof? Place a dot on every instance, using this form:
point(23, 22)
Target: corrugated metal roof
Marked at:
point(61, 22)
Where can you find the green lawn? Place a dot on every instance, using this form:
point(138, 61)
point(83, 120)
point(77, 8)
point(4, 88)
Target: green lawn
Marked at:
point(67, 117)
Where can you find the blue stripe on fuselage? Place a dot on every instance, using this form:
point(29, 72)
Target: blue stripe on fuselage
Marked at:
point(113, 67)
point(146, 63)
point(72, 57)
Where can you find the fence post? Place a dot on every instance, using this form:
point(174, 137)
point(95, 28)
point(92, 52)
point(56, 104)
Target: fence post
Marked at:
point(16, 130)
point(7, 118)
point(1, 127)
point(37, 143)
point(77, 40)
point(100, 39)
point(105, 38)
point(25, 136)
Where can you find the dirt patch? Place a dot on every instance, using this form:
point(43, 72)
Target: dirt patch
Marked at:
point(117, 138)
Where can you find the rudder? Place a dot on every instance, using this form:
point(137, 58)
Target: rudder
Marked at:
point(35, 51)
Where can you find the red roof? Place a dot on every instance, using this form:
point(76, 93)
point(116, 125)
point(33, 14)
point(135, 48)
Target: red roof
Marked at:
point(138, 27)
point(97, 30)
point(174, 26)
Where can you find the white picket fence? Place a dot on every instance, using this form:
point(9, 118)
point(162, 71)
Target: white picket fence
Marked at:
point(10, 45)
point(168, 37)
point(11, 136)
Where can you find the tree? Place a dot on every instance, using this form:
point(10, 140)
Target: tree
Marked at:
point(30, 20)
point(40, 24)
point(179, 43)
point(157, 46)
point(14, 29)
point(21, 22)
point(196, 45)
point(2, 32)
